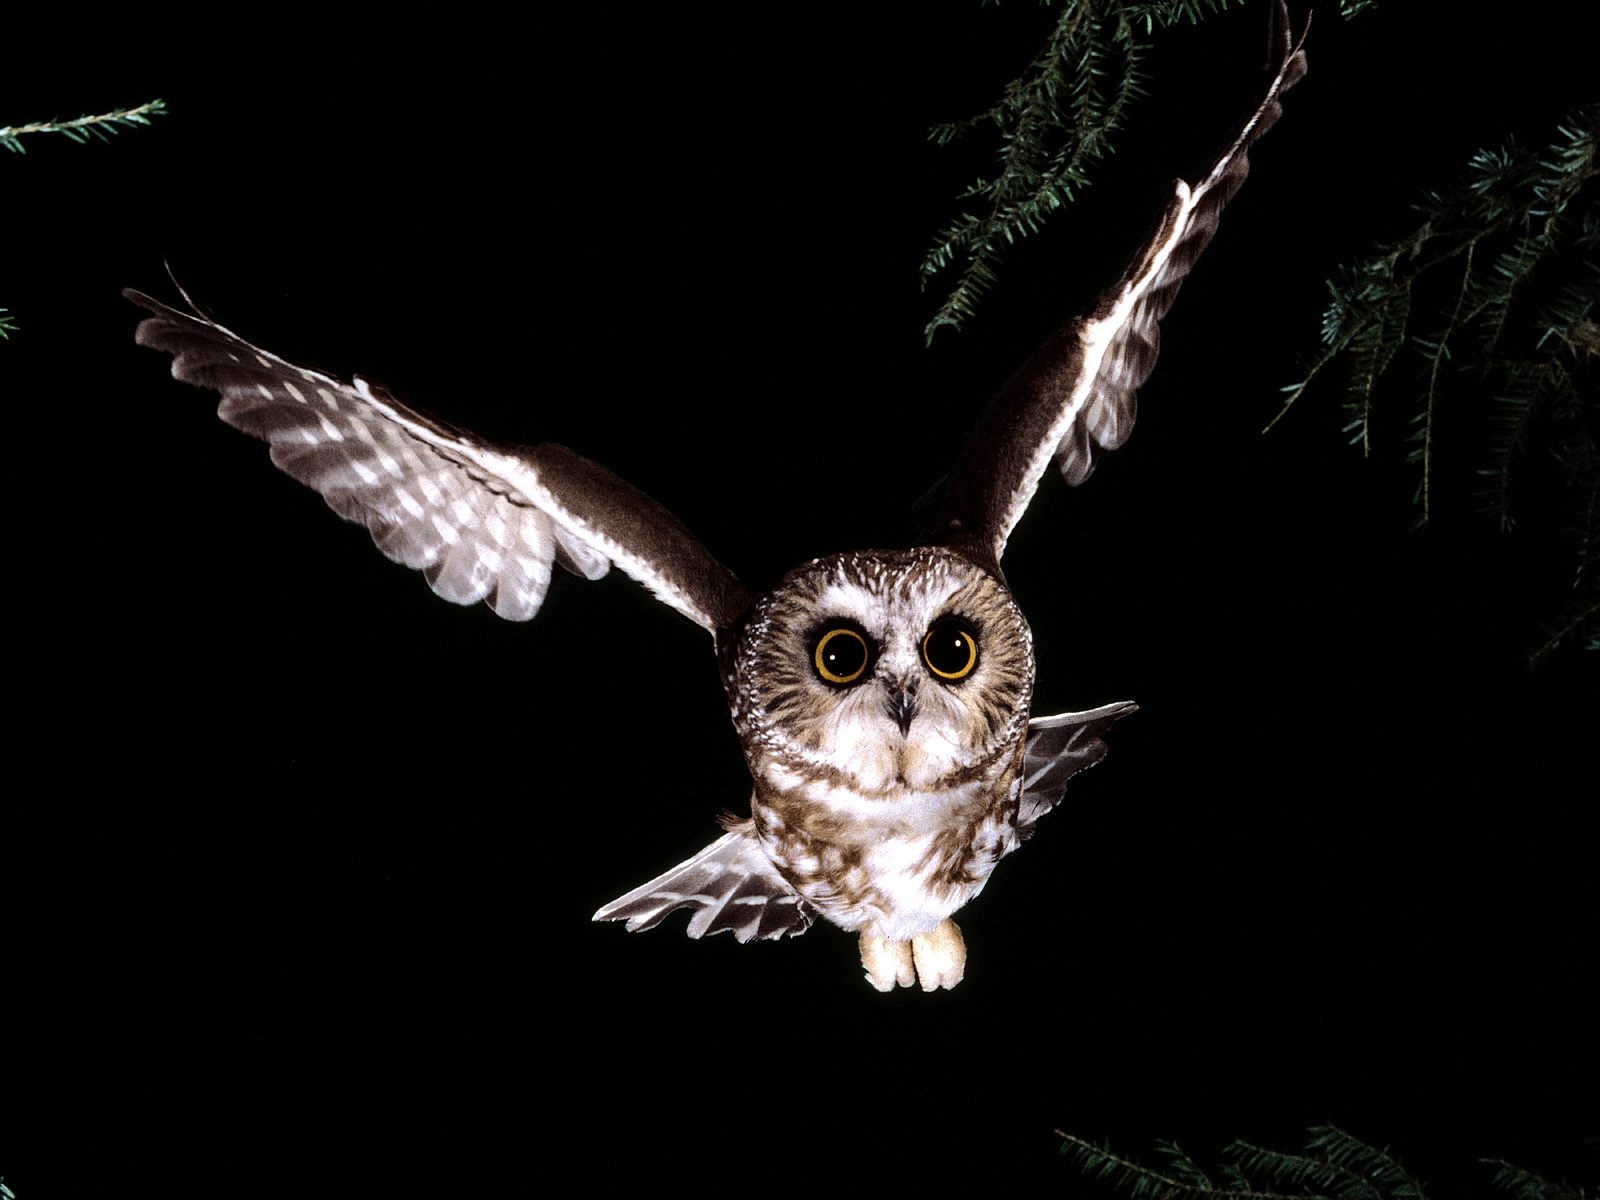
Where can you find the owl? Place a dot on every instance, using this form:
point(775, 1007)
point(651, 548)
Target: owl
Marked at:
point(882, 697)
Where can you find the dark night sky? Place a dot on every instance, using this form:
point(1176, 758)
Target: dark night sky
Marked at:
point(299, 897)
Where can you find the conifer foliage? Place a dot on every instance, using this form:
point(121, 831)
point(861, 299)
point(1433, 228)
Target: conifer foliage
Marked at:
point(1332, 1166)
point(1483, 320)
point(1055, 121)
point(91, 127)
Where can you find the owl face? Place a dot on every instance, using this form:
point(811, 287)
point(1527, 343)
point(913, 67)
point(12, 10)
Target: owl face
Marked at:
point(892, 669)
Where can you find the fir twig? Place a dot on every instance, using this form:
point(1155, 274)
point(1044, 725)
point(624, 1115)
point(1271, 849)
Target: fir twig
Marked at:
point(1581, 619)
point(1305, 1170)
point(1185, 1180)
point(1529, 1185)
point(1440, 350)
point(1332, 1166)
point(99, 126)
point(1514, 335)
point(1055, 120)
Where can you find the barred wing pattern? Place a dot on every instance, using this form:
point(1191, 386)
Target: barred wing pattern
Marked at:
point(1058, 748)
point(730, 885)
point(1075, 397)
point(482, 523)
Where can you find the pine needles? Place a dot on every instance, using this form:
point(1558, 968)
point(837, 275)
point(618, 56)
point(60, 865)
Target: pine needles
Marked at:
point(1526, 1185)
point(1332, 1166)
point(1485, 317)
point(98, 127)
point(1055, 120)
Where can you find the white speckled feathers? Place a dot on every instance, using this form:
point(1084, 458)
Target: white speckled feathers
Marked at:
point(730, 886)
point(483, 523)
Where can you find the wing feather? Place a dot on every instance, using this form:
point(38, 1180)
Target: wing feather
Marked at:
point(729, 886)
point(1075, 398)
point(1058, 748)
point(483, 523)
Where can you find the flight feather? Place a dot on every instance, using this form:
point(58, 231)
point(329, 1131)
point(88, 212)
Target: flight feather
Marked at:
point(1075, 398)
point(482, 522)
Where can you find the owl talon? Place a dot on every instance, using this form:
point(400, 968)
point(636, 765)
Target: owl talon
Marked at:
point(887, 963)
point(940, 956)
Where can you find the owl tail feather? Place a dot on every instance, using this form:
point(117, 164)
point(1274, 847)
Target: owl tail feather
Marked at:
point(731, 885)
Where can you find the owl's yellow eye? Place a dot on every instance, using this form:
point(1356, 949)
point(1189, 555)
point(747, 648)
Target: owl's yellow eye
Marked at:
point(842, 656)
point(950, 648)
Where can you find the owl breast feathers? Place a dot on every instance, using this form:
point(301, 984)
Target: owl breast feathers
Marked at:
point(884, 801)
point(881, 696)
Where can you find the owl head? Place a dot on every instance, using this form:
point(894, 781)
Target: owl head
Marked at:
point(888, 668)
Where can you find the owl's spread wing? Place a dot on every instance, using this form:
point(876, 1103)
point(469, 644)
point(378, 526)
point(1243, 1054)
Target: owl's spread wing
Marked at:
point(1075, 397)
point(1058, 748)
point(730, 885)
point(482, 522)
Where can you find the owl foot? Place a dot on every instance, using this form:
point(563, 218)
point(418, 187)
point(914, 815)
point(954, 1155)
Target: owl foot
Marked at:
point(936, 960)
point(940, 956)
point(887, 963)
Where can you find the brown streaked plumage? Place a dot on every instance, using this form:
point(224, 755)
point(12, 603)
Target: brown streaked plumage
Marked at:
point(881, 696)
point(878, 827)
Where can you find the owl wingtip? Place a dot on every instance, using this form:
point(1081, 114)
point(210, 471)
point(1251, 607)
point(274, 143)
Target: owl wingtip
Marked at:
point(144, 301)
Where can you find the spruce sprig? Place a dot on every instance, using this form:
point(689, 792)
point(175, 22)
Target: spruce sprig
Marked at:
point(1487, 316)
point(99, 126)
point(1524, 1184)
point(1054, 121)
point(1333, 1165)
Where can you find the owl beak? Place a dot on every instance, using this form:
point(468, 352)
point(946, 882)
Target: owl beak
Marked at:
point(901, 703)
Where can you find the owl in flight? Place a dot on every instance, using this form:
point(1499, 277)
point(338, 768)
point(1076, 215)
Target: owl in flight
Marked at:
point(881, 696)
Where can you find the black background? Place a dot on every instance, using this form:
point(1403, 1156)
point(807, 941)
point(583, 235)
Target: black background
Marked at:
point(299, 896)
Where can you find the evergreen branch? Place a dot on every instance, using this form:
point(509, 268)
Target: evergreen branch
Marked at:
point(100, 126)
point(1333, 1166)
point(1589, 547)
point(1344, 1150)
point(1333, 1178)
point(1055, 121)
point(1140, 1182)
point(1581, 619)
point(1529, 1185)
point(1441, 351)
point(1504, 273)
point(1185, 1168)
point(81, 129)
point(1366, 319)
point(1511, 268)
point(1169, 12)
point(1515, 406)
point(1128, 1176)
